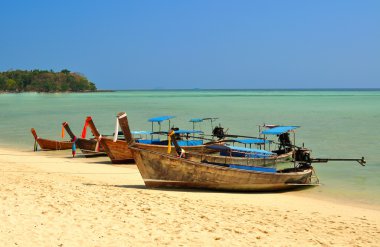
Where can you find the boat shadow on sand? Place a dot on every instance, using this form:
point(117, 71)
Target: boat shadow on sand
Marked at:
point(196, 190)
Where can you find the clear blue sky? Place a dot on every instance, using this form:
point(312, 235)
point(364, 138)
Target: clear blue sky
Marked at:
point(197, 44)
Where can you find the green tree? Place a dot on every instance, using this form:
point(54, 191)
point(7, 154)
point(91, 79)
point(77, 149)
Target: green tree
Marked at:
point(44, 81)
point(11, 85)
point(3, 83)
point(65, 71)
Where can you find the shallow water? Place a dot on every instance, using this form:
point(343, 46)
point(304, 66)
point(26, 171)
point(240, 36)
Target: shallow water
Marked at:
point(336, 124)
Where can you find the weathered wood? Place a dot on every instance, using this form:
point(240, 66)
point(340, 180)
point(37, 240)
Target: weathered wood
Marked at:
point(47, 144)
point(118, 152)
point(202, 153)
point(124, 125)
point(87, 146)
point(165, 170)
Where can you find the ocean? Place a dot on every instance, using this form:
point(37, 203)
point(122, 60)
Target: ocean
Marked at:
point(334, 124)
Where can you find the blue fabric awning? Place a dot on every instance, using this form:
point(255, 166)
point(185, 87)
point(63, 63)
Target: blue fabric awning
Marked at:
point(141, 132)
point(160, 119)
point(251, 141)
point(184, 143)
point(181, 132)
point(255, 168)
point(240, 149)
point(196, 120)
point(279, 130)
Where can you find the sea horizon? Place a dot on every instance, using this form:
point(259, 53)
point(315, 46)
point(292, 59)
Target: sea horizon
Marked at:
point(209, 89)
point(250, 89)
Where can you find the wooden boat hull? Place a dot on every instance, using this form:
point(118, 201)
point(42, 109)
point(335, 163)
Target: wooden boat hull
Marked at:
point(270, 161)
point(88, 148)
point(162, 170)
point(47, 144)
point(118, 151)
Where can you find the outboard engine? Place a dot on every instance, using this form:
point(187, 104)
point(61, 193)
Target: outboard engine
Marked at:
point(302, 155)
point(218, 131)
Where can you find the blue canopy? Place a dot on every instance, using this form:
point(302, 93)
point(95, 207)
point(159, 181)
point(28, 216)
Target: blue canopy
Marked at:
point(255, 168)
point(160, 119)
point(240, 149)
point(251, 141)
point(196, 120)
point(141, 132)
point(279, 130)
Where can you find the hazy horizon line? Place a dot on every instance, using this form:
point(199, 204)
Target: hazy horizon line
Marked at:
point(251, 89)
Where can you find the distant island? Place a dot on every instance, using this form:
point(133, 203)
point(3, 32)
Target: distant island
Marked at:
point(44, 81)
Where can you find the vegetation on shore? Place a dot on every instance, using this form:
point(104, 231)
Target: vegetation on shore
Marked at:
point(44, 81)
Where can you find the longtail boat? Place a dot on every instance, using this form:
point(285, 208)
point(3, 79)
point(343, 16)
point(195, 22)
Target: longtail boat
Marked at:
point(162, 145)
point(89, 147)
point(118, 150)
point(165, 170)
point(247, 155)
point(47, 144)
point(239, 155)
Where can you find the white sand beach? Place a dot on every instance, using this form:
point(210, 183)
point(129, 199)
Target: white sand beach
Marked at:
point(50, 199)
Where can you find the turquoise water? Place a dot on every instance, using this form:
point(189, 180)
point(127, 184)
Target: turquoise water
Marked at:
point(338, 124)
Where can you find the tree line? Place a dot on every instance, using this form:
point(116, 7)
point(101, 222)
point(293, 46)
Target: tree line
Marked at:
point(44, 81)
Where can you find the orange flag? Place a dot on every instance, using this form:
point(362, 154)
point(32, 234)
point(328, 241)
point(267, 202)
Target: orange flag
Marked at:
point(63, 131)
point(84, 131)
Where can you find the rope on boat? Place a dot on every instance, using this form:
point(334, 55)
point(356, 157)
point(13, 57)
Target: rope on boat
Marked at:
point(182, 155)
point(97, 143)
point(35, 148)
point(74, 146)
point(314, 175)
point(115, 133)
point(170, 141)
